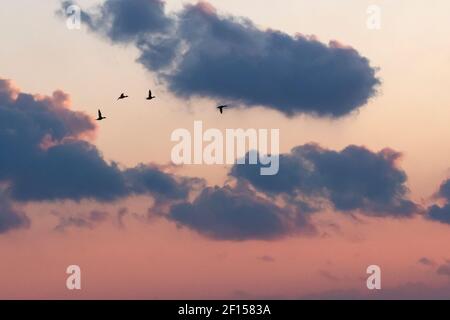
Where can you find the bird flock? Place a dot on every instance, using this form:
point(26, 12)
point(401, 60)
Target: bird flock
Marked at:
point(149, 98)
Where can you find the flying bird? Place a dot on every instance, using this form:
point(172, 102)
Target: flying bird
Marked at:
point(122, 96)
point(150, 97)
point(100, 117)
point(221, 108)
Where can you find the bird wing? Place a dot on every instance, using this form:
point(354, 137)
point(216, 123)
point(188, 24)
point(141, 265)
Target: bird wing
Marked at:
point(99, 114)
point(149, 93)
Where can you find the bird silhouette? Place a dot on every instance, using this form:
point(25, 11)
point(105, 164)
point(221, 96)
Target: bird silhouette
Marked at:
point(150, 97)
point(221, 108)
point(122, 96)
point(100, 117)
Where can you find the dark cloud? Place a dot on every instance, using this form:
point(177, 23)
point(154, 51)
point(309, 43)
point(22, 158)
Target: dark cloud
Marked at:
point(198, 52)
point(70, 171)
point(231, 214)
point(125, 21)
point(149, 178)
point(310, 179)
point(441, 213)
point(44, 157)
point(352, 179)
point(10, 218)
point(230, 58)
point(158, 53)
point(444, 190)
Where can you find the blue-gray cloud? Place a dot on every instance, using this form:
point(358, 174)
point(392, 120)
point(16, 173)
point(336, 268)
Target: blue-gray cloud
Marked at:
point(236, 214)
point(10, 217)
point(126, 21)
point(198, 52)
point(44, 158)
point(352, 179)
point(441, 213)
point(150, 178)
point(310, 179)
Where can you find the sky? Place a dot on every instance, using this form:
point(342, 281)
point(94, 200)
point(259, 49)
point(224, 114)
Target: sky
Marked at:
point(364, 159)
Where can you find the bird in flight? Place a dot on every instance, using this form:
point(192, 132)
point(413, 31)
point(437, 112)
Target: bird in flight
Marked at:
point(122, 96)
point(100, 117)
point(150, 97)
point(221, 108)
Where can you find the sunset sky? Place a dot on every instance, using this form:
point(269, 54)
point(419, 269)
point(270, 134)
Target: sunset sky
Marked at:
point(363, 117)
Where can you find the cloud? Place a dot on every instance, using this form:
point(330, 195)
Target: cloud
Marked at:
point(88, 221)
point(125, 21)
point(426, 262)
point(198, 52)
point(311, 179)
point(150, 178)
point(441, 213)
point(352, 179)
point(70, 171)
point(10, 218)
point(42, 155)
point(444, 190)
point(45, 160)
point(266, 258)
point(45, 157)
point(444, 270)
point(234, 214)
point(407, 291)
